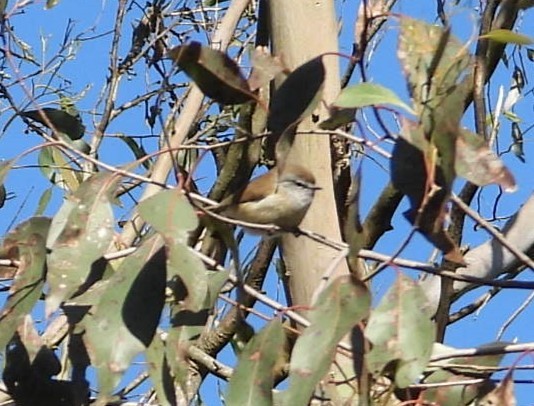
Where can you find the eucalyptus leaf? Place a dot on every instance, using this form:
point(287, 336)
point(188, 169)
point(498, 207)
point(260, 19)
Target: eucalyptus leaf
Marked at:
point(401, 332)
point(337, 310)
point(368, 94)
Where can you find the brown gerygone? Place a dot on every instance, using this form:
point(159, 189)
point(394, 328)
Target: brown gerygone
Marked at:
point(281, 197)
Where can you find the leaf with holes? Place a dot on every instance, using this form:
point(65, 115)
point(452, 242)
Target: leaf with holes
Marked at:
point(84, 224)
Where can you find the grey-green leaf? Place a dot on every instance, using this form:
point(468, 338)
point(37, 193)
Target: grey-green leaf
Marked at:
point(84, 224)
point(253, 379)
point(29, 240)
point(124, 321)
point(337, 310)
point(401, 331)
point(171, 214)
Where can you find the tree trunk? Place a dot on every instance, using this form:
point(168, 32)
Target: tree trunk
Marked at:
point(300, 31)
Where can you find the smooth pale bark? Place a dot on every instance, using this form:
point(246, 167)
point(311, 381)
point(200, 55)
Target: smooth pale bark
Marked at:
point(302, 30)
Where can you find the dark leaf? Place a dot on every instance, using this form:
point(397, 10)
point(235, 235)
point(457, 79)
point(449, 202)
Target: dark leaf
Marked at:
point(297, 97)
point(411, 160)
point(517, 146)
point(59, 120)
point(213, 72)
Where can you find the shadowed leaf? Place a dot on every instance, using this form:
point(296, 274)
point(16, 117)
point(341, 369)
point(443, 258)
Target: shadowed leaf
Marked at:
point(159, 372)
point(428, 195)
point(126, 315)
point(62, 121)
point(27, 244)
point(401, 331)
point(337, 310)
point(213, 72)
point(297, 97)
point(170, 213)
point(253, 379)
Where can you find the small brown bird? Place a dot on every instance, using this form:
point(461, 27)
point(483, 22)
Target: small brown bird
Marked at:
point(280, 197)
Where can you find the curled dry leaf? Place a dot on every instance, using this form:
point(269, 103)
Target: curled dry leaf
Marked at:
point(476, 162)
point(264, 67)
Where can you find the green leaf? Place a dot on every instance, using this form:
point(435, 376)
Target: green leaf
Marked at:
point(84, 224)
point(59, 120)
point(138, 150)
point(124, 321)
point(28, 240)
point(337, 310)
point(218, 76)
point(369, 94)
point(55, 168)
point(477, 163)
point(43, 201)
point(171, 214)
point(159, 372)
point(401, 331)
point(51, 3)
point(508, 37)
point(187, 326)
point(253, 378)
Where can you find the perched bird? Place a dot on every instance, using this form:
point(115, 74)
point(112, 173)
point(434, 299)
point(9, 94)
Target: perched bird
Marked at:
point(281, 197)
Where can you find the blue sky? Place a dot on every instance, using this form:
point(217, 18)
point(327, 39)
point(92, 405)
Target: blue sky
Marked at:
point(88, 71)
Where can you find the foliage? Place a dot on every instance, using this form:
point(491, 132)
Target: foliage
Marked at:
point(131, 266)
